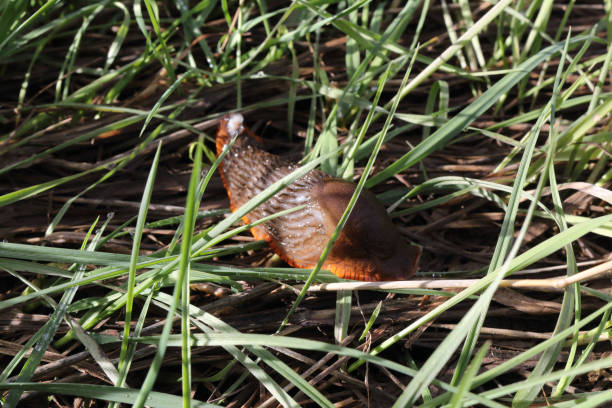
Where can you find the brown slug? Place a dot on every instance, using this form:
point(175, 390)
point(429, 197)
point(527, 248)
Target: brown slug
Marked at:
point(369, 247)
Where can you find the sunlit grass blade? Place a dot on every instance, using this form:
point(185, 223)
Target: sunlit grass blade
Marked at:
point(210, 324)
point(183, 266)
point(105, 393)
point(131, 283)
point(462, 119)
point(49, 329)
point(465, 384)
point(530, 256)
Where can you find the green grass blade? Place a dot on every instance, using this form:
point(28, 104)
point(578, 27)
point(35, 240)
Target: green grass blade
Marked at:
point(459, 122)
point(131, 283)
point(184, 261)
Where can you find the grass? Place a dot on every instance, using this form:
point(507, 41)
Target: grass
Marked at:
point(483, 128)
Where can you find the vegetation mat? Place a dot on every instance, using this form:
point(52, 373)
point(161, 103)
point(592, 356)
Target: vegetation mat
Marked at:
point(483, 127)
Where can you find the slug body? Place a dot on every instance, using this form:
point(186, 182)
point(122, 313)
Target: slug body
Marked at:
point(369, 246)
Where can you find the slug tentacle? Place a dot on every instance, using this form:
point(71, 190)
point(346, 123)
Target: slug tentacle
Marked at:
point(368, 248)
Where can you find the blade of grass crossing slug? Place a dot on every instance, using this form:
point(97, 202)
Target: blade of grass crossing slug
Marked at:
point(257, 200)
point(184, 260)
point(136, 240)
point(47, 332)
point(360, 185)
point(242, 228)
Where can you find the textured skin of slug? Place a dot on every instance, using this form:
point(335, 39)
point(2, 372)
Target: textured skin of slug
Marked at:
point(369, 247)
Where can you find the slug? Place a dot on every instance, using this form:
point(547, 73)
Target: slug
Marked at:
point(369, 248)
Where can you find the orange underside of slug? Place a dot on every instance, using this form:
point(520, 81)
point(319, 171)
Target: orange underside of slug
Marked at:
point(369, 247)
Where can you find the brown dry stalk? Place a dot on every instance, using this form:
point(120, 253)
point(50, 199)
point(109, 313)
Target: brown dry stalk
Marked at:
point(548, 284)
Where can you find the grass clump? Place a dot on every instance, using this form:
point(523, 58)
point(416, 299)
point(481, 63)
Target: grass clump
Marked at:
point(484, 128)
